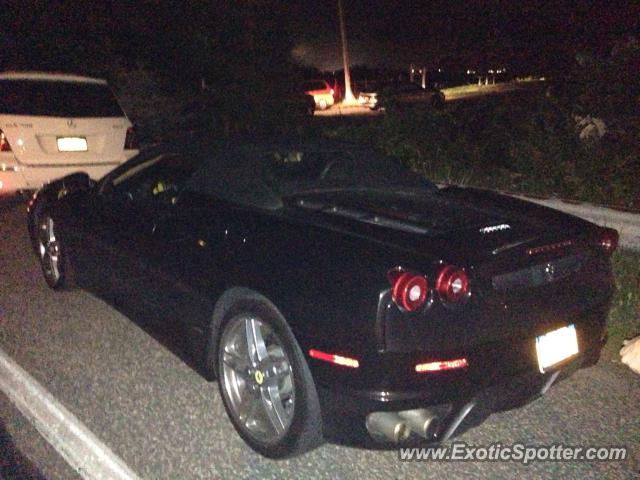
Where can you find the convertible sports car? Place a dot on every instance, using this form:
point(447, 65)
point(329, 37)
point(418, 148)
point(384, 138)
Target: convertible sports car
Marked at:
point(335, 293)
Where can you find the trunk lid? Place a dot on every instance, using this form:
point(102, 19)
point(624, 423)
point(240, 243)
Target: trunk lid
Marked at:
point(461, 226)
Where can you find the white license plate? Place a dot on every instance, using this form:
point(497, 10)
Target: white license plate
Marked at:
point(555, 346)
point(72, 144)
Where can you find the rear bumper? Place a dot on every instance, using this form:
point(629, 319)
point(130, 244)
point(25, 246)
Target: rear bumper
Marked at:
point(16, 177)
point(459, 399)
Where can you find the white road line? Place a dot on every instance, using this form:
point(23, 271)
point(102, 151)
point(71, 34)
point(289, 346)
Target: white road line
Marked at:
point(81, 449)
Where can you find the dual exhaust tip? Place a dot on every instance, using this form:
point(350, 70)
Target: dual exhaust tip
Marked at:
point(396, 427)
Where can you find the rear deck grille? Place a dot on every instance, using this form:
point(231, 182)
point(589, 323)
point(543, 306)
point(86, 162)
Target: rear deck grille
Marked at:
point(539, 274)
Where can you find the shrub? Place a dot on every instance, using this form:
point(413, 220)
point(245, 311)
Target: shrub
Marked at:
point(524, 142)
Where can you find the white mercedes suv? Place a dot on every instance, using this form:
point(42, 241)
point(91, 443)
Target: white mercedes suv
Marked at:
point(52, 125)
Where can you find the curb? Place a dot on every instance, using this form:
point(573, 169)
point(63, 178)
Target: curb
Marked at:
point(627, 223)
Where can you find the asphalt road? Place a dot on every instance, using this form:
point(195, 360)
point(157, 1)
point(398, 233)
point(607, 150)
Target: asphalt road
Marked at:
point(165, 421)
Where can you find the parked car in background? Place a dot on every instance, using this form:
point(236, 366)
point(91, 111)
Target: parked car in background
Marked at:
point(332, 291)
point(54, 124)
point(379, 95)
point(321, 92)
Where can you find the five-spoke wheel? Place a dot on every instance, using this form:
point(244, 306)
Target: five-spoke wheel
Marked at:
point(265, 383)
point(257, 378)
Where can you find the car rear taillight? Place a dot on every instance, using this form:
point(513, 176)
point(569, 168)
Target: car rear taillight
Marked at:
point(131, 141)
point(408, 289)
point(608, 240)
point(4, 143)
point(452, 284)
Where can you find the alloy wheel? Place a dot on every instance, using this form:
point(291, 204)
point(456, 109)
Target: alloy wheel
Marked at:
point(257, 378)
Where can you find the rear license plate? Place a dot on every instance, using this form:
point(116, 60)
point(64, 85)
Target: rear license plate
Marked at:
point(555, 346)
point(72, 144)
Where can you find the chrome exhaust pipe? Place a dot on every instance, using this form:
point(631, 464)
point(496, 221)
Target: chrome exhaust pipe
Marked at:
point(421, 421)
point(387, 426)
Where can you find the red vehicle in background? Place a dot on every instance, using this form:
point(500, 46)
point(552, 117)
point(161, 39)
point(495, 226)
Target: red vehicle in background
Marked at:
point(321, 92)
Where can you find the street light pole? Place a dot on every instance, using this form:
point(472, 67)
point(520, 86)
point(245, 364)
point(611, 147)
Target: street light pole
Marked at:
point(348, 94)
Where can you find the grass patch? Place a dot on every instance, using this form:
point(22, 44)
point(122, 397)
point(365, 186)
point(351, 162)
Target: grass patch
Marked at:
point(624, 317)
point(524, 142)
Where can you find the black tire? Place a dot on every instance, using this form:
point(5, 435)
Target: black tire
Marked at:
point(303, 429)
point(32, 225)
point(52, 253)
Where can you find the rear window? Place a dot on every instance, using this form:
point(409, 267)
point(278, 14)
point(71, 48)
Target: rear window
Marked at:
point(57, 99)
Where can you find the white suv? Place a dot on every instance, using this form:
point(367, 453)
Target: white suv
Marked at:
point(52, 125)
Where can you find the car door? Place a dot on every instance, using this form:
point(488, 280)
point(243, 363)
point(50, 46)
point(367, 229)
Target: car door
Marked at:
point(189, 256)
point(125, 214)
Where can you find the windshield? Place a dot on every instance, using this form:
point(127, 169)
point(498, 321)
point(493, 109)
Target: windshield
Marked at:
point(264, 178)
point(57, 99)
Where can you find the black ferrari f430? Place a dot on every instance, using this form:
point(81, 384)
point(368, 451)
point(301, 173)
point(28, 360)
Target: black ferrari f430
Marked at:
point(335, 293)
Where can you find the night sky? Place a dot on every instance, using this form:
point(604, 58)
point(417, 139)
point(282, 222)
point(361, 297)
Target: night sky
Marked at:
point(460, 34)
point(527, 36)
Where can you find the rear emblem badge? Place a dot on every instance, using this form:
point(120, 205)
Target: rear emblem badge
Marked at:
point(495, 228)
point(71, 123)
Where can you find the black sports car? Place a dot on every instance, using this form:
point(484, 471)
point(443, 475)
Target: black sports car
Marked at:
point(335, 293)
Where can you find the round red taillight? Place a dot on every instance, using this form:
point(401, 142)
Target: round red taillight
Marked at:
point(408, 289)
point(452, 284)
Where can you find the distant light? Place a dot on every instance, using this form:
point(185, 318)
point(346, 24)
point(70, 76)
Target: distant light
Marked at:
point(490, 71)
point(440, 70)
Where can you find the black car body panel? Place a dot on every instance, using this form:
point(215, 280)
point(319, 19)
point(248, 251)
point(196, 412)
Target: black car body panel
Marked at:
point(322, 258)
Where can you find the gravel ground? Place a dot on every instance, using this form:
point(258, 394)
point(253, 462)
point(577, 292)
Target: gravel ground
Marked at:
point(165, 421)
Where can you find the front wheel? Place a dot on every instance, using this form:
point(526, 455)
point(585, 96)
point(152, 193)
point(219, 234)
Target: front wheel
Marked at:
point(265, 382)
point(51, 253)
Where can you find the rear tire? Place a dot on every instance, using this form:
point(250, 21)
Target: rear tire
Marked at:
point(265, 383)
